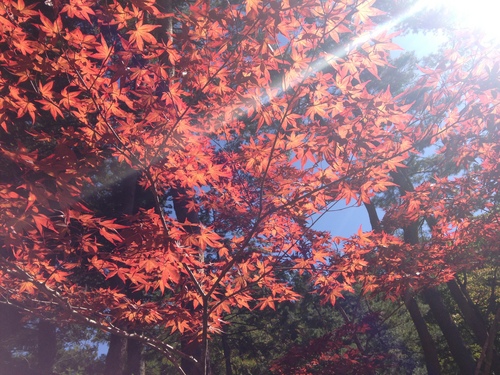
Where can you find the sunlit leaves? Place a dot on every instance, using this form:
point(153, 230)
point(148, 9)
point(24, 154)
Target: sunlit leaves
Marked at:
point(142, 34)
point(27, 287)
point(46, 90)
point(79, 8)
point(52, 107)
point(252, 5)
point(260, 116)
point(103, 50)
point(51, 29)
point(365, 10)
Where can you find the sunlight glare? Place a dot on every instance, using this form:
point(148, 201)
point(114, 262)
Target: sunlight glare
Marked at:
point(478, 15)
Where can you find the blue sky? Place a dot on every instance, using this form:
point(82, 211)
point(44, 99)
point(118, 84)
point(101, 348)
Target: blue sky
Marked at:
point(422, 44)
point(345, 220)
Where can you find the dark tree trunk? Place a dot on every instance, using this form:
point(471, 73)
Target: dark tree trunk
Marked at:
point(135, 362)
point(192, 348)
point(474, 320)
point(47, 347)
point(490, 344)
point(426, 340)
point(9, 326)
point(116, 357)
point(227, 353)
point(461, 354)
point(471, 316)
point(125, 197)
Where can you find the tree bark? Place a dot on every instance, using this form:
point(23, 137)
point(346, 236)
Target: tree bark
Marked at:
point(193, 347)
point(125, 196)
point(490, 343)
point(116, 357)
point(227, 353)
point(474, 321)
point(135, 361)
point(471, 316)
point(461, 354)
point(47, 347)
point(426, 340)
point(9, 326)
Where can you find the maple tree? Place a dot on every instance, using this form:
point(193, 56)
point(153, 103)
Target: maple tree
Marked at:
point(249, 118)
point(424, 207)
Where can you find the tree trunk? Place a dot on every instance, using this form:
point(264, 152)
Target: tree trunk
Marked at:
point(116, 357)
point(135, 362)
point(125, 194)
point(426, 340)
point(490, 343)
point(227, 353)
point(475, 321)
point(471, 316)
point(47, 347)
point(193, 348)
point(461, 354)
point(9, 326)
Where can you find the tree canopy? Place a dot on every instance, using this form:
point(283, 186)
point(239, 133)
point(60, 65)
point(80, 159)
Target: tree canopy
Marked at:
point(163, 163)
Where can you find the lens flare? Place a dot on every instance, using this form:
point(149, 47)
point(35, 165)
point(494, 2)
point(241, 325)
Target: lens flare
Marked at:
point(480, 16)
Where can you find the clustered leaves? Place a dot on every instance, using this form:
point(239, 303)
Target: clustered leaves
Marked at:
point(332, 351)
point(259, 115)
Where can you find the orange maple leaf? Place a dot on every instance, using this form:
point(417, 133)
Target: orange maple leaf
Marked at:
point(49, 28)
point(103, 51)
point(252, 5)
point(28, 287)
point(111, 237)
point(26, 47)
point(142, 34)
point(79, 9)
point(365, 11)
point(46, 90)
point(24, 10)
point(52, 107)
point(68, 98)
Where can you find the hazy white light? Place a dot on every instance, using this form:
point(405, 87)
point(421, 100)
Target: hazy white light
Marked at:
point(479, 15)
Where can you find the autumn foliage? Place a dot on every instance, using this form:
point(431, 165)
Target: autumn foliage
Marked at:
point(249, 118)
point(332, 351)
